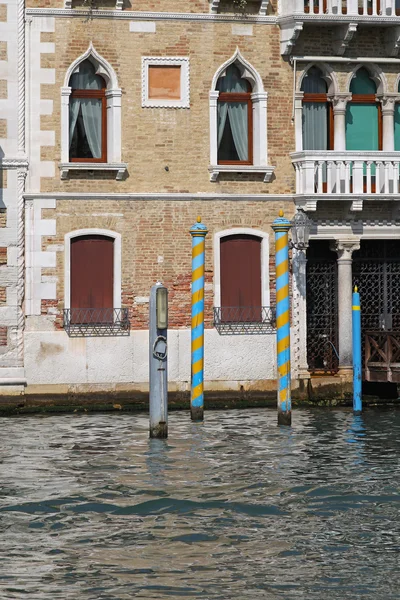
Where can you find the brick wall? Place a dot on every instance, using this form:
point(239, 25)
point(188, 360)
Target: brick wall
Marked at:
point(153, 229)
point(155, 138)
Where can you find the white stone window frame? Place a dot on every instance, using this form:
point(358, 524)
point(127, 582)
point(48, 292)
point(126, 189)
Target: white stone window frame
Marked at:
point(265, 283)
point(166, 61)
point(259, 98)
point(117, 293)
point(113, 103)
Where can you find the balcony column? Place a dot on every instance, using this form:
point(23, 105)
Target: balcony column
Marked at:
point(345, 249)
point(388, 106)
point(339, 102)
point(298, 120)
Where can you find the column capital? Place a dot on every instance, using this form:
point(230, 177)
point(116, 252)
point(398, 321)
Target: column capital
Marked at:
point(388, 102)
point(339, 102)
point(345, 249)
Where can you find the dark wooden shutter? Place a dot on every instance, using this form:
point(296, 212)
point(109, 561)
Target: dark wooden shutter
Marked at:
point(92, 279)
point(241, 278)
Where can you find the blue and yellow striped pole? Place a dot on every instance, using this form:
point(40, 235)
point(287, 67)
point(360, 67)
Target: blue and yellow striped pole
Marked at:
point(357, 370)
point(281, 228)
point(198, 232)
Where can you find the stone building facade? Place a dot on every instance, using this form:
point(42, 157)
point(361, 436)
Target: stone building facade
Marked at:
point(160, 75)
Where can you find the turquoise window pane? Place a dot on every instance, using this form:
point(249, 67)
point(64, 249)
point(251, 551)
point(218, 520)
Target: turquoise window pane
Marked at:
point(362, 83)
point(362, 127)
point(397, 128)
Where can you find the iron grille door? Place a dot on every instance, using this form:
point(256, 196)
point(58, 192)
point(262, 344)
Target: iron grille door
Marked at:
point(322, 294)
point(376, 271)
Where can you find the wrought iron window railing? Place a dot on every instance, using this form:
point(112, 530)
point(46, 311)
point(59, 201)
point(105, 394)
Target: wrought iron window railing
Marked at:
point(244, 320)
point(92, 322)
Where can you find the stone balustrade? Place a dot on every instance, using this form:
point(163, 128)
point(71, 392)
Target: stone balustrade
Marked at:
point(330, 172)
point(329, 8)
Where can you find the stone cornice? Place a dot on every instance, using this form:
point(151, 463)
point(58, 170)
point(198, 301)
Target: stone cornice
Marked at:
point(160, 196)
point(151, 16)
point(339, 19)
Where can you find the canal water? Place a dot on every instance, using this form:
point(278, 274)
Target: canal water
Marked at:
point(237, 508)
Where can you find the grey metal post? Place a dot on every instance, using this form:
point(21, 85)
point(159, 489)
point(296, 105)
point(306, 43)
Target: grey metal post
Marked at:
point(158, 381)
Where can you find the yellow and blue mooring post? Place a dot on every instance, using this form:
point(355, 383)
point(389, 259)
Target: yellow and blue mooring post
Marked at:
point(281, 227)
point(357, 371)
point(198, 231)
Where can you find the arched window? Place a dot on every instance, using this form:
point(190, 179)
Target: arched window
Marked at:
point(87, 115)
point(363, 114)
point(91, 117)
point(317, 112)
point(240, 278)
point(238, 120)
point(235, 143)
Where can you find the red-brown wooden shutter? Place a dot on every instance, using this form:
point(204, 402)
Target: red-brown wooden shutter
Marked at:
point(241, 277)
point(92, 278)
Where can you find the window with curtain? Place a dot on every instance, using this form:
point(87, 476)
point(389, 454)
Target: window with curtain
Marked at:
point(317, 112)
point(363, 115)
point(234, 118)
point(87, 116)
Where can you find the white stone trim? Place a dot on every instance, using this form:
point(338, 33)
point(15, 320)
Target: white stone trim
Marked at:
point(214, 6)
point(162, 196)
point(180, 61)
point(117, 262)
point(375, 73)
point(113, 97)
point(265, 291)
point(259, 104)
point(215, 170)
point(148, 15)
point(37, 288)
point(120, 168)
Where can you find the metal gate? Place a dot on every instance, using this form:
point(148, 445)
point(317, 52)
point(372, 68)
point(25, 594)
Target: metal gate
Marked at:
point(376, 271)
point(322, 294)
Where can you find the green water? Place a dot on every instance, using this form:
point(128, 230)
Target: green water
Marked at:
point(90, 508)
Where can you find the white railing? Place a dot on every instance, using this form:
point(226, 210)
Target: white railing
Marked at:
point(372, 8)
point(319, 172)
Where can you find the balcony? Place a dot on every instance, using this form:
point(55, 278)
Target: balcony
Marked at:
point(96, 322)
point(244, 320)
point(347, 15)
point(353, 176)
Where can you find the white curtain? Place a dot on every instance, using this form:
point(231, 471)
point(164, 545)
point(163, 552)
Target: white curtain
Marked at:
point(232, 82)
point(315, 126)
point(74, 106)
point(91, 112)
point(238, 120)
point(222, 114)
point(91, 108)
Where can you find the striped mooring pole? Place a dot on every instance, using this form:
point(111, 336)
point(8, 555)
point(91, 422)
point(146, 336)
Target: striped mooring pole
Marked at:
point(357, 371)
point(281, 228)
point(198, 231)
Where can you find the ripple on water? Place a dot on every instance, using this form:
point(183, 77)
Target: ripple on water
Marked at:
point(90, 508)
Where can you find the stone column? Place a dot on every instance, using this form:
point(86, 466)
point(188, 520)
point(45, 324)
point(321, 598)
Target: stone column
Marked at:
point(339, 102)
point(299, 264)
point(345, 249)
point(388, 106)
point(298, 120)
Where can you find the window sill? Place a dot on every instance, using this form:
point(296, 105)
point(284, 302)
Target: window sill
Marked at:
point(119, 168)
point(215, 170)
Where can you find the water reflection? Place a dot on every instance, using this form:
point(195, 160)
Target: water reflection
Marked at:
point(91, 508)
